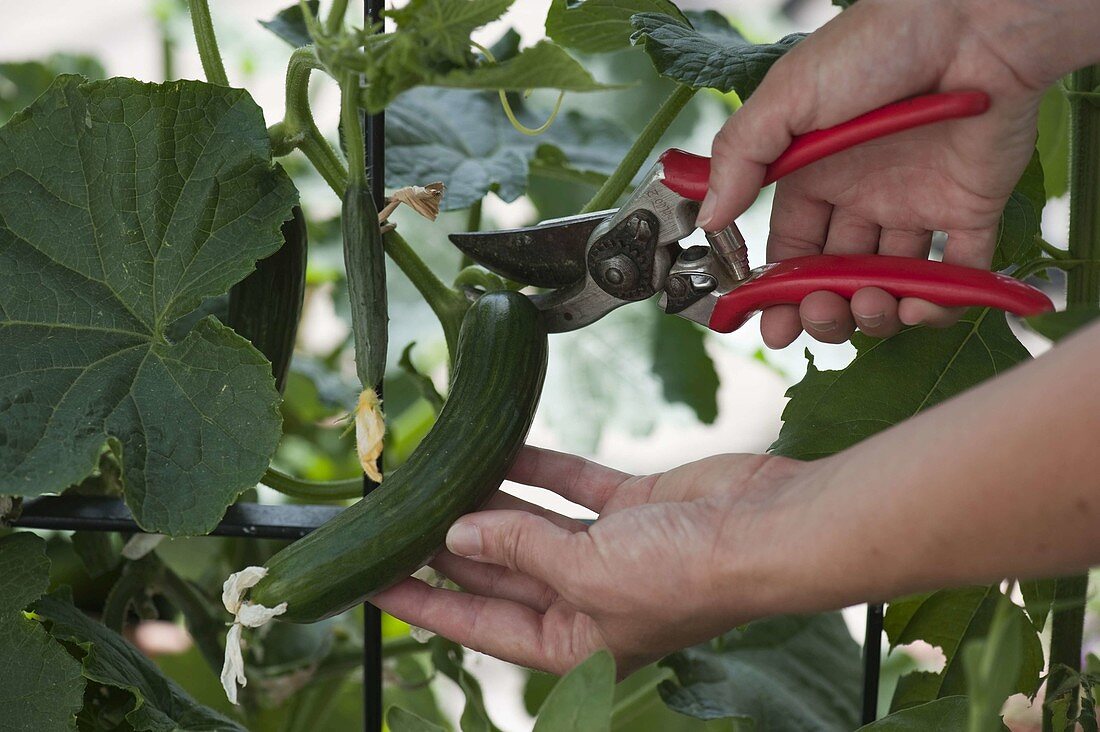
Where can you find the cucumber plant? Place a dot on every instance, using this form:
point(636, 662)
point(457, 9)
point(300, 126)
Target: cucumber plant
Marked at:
point(153, 268)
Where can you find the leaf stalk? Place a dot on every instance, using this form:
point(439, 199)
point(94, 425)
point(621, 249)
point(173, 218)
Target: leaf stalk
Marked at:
point(614, 186)
point(448, 305)
point(209, 53)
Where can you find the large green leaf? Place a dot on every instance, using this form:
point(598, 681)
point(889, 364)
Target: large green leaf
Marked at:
point(544, 65)
point(447, 24)
point(122, 206)
point(581, 700)
point(464, 139)
point(156, 703)
point(710, 54)
point(943, 715)
point(785, 673)
point(598, 26)
point(606, 374)
point(290, 24)
point(401, 720)
point(447, 659)
point(892, 379)
point(432, 39)
point(992, 665)
point(22, 81)
point(40, 684)
point(1053, 142)
point(686, 371)
point(1058, 325)
point(1038, 598)
point(948, 619)
point(1018, 237)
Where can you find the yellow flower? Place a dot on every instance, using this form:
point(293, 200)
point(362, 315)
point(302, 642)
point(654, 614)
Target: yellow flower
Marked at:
point(370, 428)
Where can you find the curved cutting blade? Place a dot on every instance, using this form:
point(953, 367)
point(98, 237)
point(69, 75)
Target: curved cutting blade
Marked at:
point(550, 254)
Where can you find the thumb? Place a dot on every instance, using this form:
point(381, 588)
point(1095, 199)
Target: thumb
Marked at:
point(518, 540)
point(752, 137)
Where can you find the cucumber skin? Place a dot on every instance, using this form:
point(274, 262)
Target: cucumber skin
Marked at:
point(365, 265)
point(459, 465)
point(265, 306)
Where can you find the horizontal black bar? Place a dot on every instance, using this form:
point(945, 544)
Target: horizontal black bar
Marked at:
point(97, 513)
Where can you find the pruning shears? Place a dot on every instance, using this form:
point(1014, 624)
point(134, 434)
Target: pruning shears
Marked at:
point(598, 262)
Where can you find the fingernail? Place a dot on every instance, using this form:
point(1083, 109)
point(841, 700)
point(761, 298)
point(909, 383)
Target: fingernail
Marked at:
point(706, 211)
point(822, 326)
point(870, 321)
point(464, 540)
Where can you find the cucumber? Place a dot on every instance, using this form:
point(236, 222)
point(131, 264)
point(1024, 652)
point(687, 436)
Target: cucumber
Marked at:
point(499, 367)
point(365, 264)
point(265, 306)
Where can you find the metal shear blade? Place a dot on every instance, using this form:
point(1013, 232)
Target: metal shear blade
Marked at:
point(548, 254)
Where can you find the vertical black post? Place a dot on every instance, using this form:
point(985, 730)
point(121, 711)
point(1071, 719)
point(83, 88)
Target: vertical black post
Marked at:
point(374, 132)
point(872, 657)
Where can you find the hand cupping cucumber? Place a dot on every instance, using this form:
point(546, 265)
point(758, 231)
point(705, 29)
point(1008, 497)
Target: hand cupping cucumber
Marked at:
point(499, 368)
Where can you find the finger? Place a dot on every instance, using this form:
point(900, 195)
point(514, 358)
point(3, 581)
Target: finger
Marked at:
point(780, 325)
point(752, 137)
point(501, 628)
point(799, 224)
point(850, 233)
point(968, 248)
point(492, 580)
point(827, 317)
point(505, 502)
point(876, 312)
point(574, 478)
point(518, 540)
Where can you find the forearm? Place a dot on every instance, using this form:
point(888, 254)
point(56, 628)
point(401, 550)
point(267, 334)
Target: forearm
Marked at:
point(1003, 481)
point(1042, 40)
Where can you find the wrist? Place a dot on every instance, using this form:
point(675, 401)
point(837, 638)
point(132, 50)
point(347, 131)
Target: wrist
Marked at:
point(779, 540)
point(1041, 40)
point(807, 550)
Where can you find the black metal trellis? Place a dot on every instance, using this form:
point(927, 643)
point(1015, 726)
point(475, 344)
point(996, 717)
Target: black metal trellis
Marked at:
point(374, 132)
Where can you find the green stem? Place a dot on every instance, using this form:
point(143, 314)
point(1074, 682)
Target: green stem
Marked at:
point(207, 42)
point(130, 586)
point(473, 217)
point(402, 646)
point(1027, 269)
point(473, 223)
point(475, 276)
point(1082, 289)
point(298, 130)
point(351, 118)
point(328, 490)
point(167, 53)
point(335, 19)
point(449, 306)
point(1050, 250)
point(614, 186)
point(202, 620)
point(312, 705)
point(623, 707)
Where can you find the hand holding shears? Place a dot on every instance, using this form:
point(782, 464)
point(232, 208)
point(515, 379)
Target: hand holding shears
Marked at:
point(598, 262)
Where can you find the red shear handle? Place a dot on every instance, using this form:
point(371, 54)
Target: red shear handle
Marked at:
point(687, 174)
point(789, 281)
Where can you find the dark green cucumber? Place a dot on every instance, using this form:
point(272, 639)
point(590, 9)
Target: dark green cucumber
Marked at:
point(499, 367)
point(265, 306)
point(365, 264)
